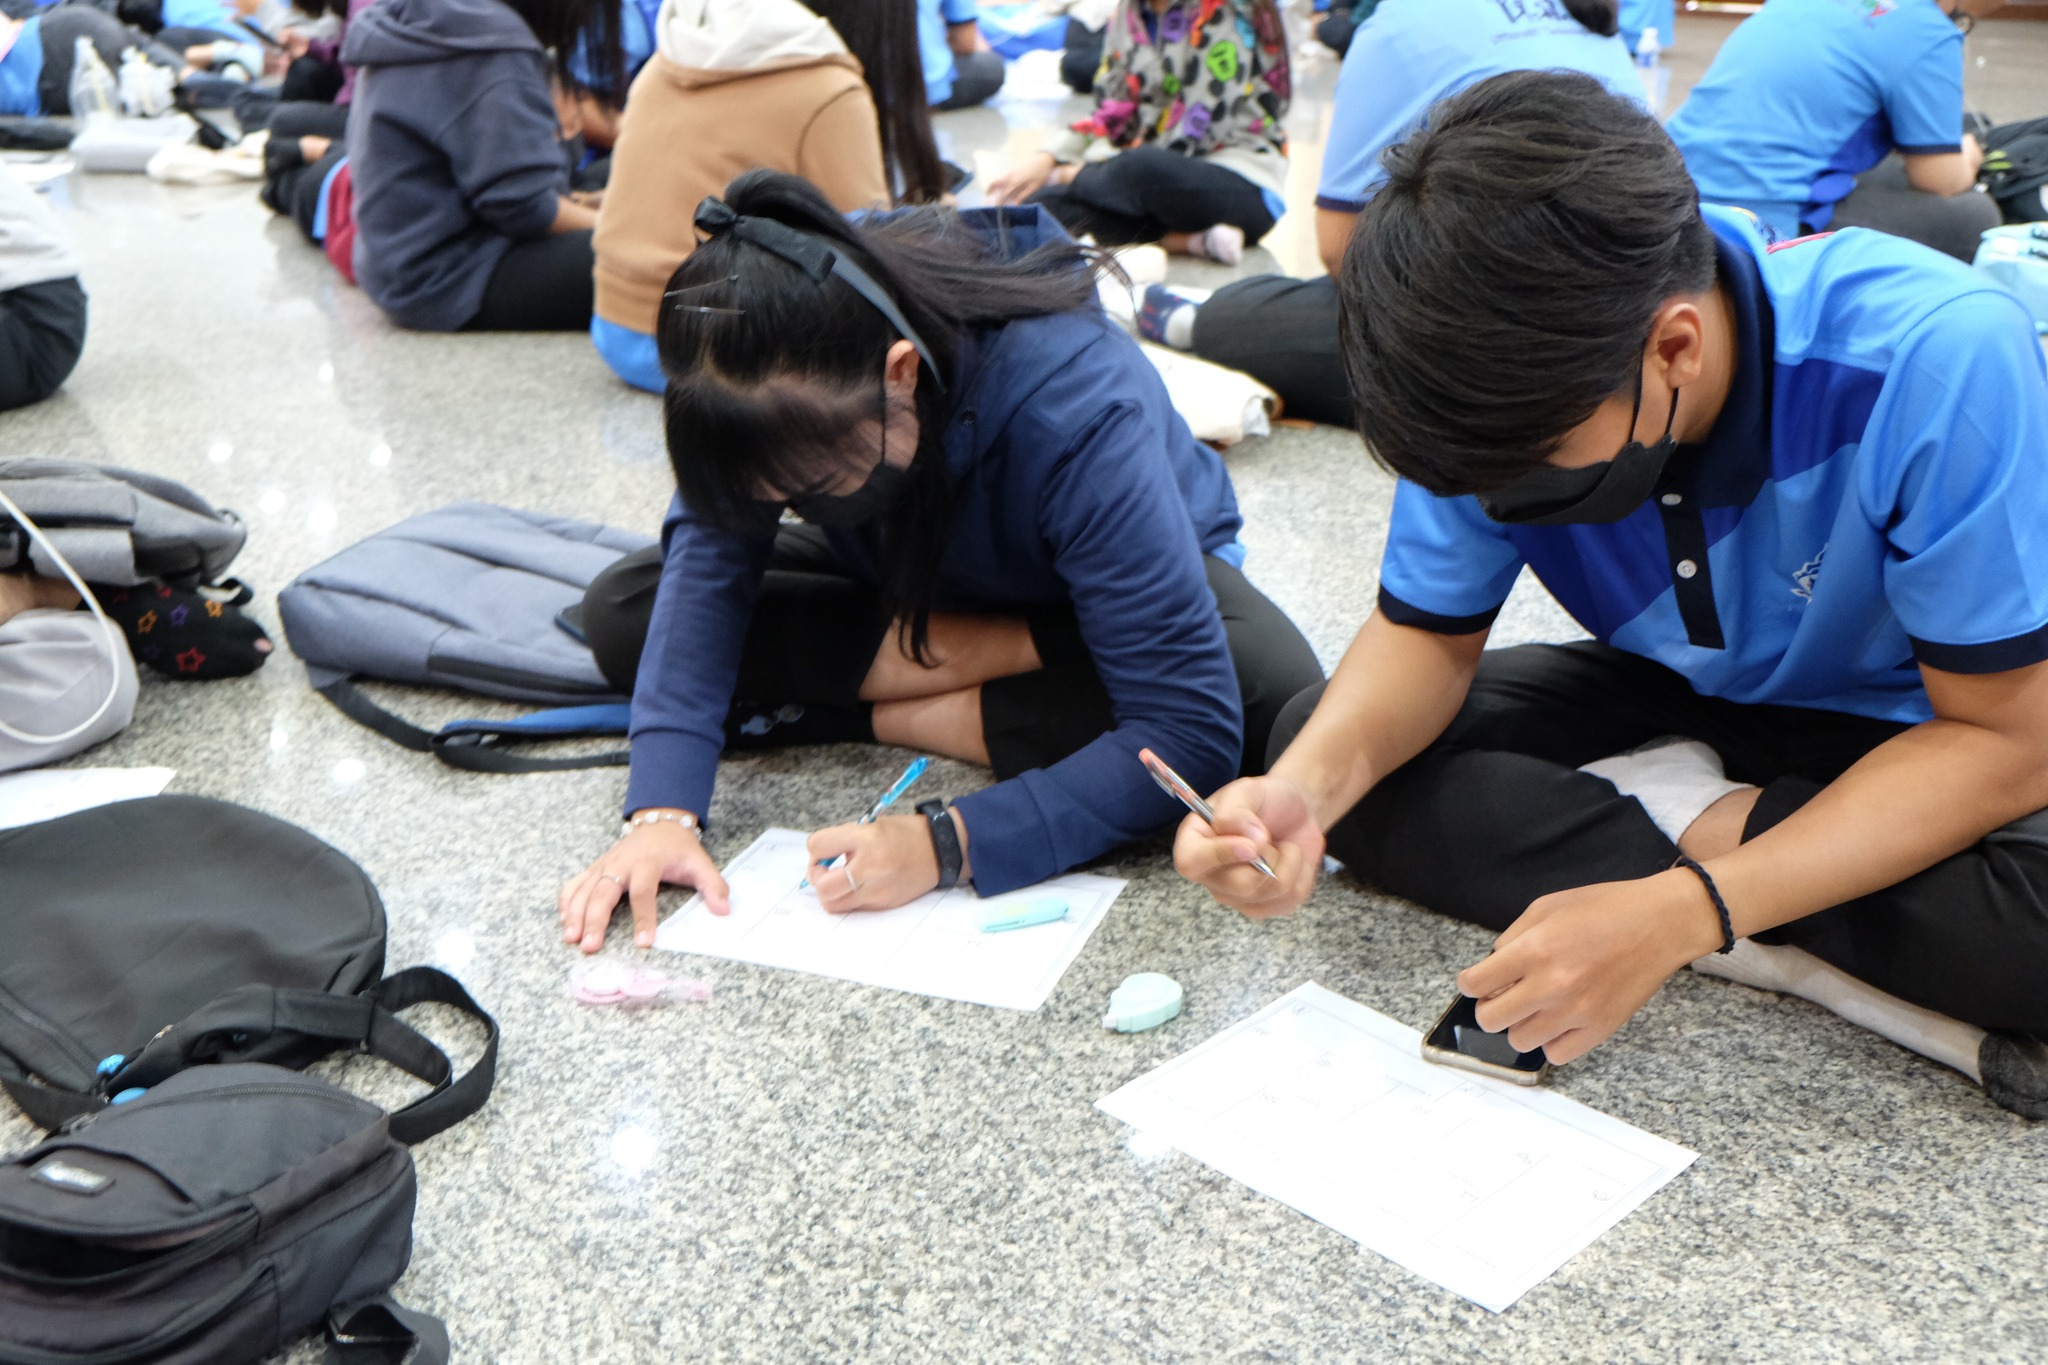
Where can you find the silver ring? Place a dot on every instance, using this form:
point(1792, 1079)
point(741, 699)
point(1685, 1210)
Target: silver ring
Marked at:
point(851, 884)
point(612, 877)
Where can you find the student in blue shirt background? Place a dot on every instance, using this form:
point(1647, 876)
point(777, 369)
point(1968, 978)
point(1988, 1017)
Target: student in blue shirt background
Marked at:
point(1801, 113)
point(1407, 55)
point(1016, 554)
point(1797, 494)
point(959, 69)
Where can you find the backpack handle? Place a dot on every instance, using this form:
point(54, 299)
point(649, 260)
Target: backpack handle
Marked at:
point(470, 744)
point(381, 1331)
point(247, 1019)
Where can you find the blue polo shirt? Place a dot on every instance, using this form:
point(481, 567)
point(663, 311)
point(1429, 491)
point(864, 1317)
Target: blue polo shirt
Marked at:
point(939, 67)
point(21, 72)
point(1806, 95)
point(1873, 496)
point(1412, 53)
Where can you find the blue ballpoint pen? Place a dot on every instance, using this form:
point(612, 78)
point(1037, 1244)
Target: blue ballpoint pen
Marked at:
point(888, 799)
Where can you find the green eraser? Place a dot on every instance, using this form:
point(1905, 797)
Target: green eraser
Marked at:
point(1144, 1001)
point(999, 919)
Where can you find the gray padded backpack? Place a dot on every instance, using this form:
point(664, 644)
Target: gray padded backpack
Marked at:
point(116, 526)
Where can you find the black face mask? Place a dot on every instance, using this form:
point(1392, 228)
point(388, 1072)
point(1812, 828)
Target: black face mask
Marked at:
point(1605, 492)
point(875, 498)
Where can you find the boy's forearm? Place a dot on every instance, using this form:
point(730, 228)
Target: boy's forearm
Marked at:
point(1396, 690)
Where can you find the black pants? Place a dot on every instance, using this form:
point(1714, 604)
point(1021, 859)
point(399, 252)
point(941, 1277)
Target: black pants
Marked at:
point(816, 631)
point(64, 25)
point(1143, 193)
point(1282, 332)
point(1885, 200)
point(291, 184)
point(544, 285)
point(976, 78)
point(1082, 57)
point(308, 80)
point(1495, 814)
point(42, 331)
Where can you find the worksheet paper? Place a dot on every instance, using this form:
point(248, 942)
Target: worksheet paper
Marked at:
point(46, 793)
point(932, 946)
point(1480, 1185)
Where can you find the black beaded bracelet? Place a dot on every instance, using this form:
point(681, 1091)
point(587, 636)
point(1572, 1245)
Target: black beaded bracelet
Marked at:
point(1713, 894)
point(945, 842)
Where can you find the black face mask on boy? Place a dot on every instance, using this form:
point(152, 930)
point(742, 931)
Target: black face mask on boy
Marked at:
point(1594, 493)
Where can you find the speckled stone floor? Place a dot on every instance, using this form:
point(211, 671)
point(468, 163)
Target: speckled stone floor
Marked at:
point(805, 1170)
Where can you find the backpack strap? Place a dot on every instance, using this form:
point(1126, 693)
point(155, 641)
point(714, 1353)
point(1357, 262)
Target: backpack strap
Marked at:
point(472, 745)
point(47, 1106)
point(382, 1331)
point(241, 1022)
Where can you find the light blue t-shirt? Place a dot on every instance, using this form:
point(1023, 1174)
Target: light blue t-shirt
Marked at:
point(1412, 53)
point(1808, 94)
point(1873, 496)
point(933, 16)
point(21, 70)
point(215, 16)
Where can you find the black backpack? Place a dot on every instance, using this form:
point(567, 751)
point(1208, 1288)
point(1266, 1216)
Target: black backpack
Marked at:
point(155, 949)
point(2015, 170)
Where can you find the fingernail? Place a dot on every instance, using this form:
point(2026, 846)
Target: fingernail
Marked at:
point(644, 940)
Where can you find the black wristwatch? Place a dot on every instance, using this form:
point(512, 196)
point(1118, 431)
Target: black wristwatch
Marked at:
point(945, 841)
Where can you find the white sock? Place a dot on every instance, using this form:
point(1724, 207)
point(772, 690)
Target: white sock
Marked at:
point(1117, 302)
point(1223, 244)
point(1675, 779)
point(1793, 971)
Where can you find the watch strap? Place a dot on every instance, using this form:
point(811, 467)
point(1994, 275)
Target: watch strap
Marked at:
point(945, 841)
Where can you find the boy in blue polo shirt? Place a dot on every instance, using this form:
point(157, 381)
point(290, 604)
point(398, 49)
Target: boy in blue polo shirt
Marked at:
point(1806, 101)
point(959, 70)
point(1799, 497)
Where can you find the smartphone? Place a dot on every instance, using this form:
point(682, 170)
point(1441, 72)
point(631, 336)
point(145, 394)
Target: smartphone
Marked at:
point(1457, 1040)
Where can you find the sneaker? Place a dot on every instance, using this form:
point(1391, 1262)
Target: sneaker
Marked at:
point(2015, 1071)
point(1157, 310)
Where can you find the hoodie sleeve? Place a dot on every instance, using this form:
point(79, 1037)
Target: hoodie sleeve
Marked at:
point(505, 150)
point(1113, 516)
point(841, 152)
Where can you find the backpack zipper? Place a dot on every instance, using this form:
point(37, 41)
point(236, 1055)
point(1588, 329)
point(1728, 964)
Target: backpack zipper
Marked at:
point(168, 1335)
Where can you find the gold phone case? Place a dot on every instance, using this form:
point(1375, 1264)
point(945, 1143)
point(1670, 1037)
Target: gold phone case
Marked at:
point(1453, 1058)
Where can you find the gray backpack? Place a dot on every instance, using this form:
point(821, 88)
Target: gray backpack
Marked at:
point(468, 596)
point(116, 526)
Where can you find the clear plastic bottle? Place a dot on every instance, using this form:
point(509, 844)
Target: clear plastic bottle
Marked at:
point(147, 89)
point(93, 92)
point(1656, 77)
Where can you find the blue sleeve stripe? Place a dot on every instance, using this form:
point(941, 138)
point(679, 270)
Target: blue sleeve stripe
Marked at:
point(1403, 614)
point(1337, 205)
point(1931, 151)
point(1993, 656)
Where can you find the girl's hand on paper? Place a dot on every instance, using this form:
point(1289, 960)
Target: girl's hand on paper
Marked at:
point(636, 867)
point(1256, 817)
point(1578, 964)
point(888, 863)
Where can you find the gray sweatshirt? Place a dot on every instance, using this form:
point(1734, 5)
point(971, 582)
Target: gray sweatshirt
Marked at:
point(33, 247)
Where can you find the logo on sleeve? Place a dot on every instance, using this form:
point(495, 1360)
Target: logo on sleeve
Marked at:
point(1806, 575)
point(1874, 10)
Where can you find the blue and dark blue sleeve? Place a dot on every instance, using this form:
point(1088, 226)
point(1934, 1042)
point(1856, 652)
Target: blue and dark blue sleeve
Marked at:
point(1382, 95)
point(1446, 567)
point(1956, 471)
point(1123, 544)
point(1924, 100)
point(709, 580)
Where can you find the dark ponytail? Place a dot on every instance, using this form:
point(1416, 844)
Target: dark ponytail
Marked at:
point(775, 379)
point(1602, 16)
point(882, 36)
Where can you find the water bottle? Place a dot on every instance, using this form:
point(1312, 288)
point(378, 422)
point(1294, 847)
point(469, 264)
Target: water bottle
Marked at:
point(93, 93)
point(1656, 77)
point(147, 90)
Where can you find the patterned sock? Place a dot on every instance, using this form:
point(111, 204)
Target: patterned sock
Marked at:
point(1167, 317)
point(186, 634)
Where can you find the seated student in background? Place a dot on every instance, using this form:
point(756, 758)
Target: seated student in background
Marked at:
point(736, 84)
point(309, 127)
point(42, 305)
point(462, 212)
point(1014, 554)
point(959, 70)
point(1843, 113)
point(38, 49)
point(1408, 55)
point(1795, 494)
point(1199, 168)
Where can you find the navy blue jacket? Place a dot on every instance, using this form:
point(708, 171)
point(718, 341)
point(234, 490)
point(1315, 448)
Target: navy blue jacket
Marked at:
point(1075, 481)
point(454, 152)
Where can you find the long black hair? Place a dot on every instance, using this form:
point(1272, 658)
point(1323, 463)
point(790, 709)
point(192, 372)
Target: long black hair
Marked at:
point(1501, 284)
point(593, 28)
point(882, 36)
point(775, 380)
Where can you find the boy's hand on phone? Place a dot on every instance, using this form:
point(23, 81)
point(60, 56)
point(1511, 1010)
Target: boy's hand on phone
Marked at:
point(1578, 964)
point(1256, 817)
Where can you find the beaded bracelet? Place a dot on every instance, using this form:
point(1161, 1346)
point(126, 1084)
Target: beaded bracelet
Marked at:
point(1720, 906)
point(659, 817)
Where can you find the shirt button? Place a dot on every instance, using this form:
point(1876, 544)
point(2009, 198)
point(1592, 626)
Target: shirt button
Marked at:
point(1671, 499)
point(1686, 568)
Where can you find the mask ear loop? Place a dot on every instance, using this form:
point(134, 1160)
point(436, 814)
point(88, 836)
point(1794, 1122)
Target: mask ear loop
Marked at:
point(116, 646)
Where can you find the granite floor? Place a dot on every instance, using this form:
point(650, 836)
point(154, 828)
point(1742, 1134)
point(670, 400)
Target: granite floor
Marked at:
point(803, 1170)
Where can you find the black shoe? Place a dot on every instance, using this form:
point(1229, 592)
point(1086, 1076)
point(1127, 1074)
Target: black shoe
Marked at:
point(2015, 1071)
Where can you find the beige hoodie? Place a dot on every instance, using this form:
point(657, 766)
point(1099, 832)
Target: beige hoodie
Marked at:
point(733, 85)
